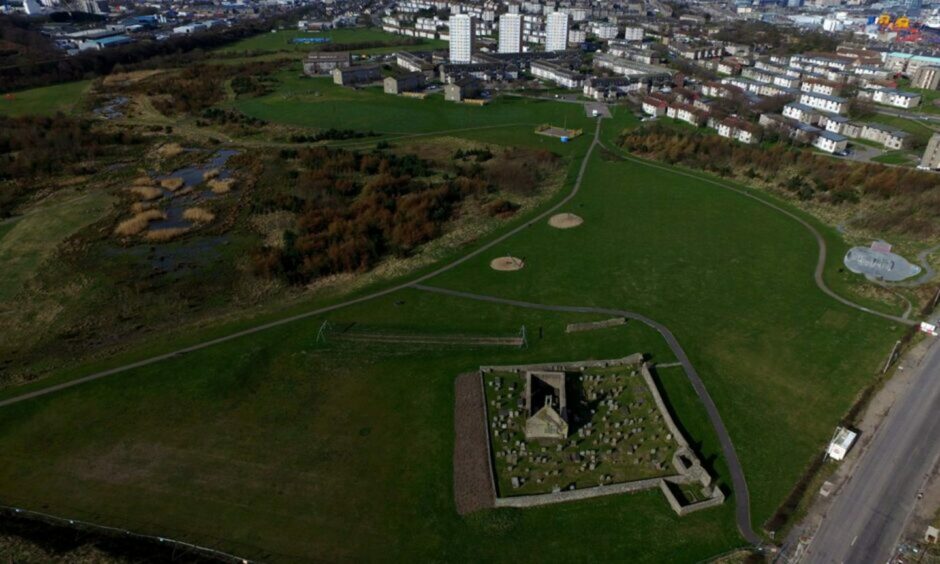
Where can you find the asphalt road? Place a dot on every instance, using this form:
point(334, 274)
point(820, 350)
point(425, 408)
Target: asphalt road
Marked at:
point(738, 483)
point(868, 515)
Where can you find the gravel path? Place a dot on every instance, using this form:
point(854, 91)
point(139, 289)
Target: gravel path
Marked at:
point(473, 479)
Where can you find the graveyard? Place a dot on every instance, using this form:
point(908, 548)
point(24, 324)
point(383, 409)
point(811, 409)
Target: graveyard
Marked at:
point(617, 434)
point(567, 431)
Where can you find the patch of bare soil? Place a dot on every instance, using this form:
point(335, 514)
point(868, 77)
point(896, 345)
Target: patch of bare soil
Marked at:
point(507, 264)
point(473, 483)
point(565, 221)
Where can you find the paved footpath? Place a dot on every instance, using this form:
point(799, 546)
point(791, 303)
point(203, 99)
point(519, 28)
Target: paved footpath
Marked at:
point(868, 515)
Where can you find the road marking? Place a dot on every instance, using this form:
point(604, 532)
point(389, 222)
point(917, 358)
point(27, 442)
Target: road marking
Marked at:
point(853, 540)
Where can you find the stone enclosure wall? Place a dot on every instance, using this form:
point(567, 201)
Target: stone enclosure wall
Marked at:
point(688, 467)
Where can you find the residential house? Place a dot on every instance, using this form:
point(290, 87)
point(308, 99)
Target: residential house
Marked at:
point(834, 104)
point(830, 142)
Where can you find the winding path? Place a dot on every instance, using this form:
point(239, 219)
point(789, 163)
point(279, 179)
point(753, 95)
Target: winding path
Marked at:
point(741, 496)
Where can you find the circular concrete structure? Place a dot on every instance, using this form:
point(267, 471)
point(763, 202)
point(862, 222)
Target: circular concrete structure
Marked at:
point(879, 265)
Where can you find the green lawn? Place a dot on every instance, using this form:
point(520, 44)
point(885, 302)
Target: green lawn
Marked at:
point(280, 449)
point(733, 280)
point(44, 101)
point(276, 448)
point(281, 41)
point(318, 103)
point(26, 242)
point(895, 157)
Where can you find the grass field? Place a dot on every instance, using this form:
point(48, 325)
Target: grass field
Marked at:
point(26, 242)
point(274, 447)
point(725, 274)
point(318, 103)
point(44, 101)
point(894, 157)
point(282, 41)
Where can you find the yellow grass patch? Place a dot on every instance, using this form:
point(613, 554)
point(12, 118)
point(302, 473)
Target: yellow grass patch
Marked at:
point(172, 184)
point(222, 186)
point(147, 192)
point(128, 77)
point(199, 215)
point(170, 150)
point(138, 207)
point(162, 235)
point(138, 223)
point(143, 181)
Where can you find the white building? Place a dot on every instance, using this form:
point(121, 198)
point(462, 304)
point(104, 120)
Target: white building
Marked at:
point(556, 32)
point(891, 97)
point(606, 31)
point(510, 33)
point(831, 143)
point(834, 104)
point(633, 33)
point(801, 113)
point(461, 38)
point(562, 76)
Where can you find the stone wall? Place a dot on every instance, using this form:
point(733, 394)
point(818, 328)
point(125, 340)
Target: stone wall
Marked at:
point(661, 405)
point(572, 495)
point(625, 361)
point(686, 473)
point(591, 325)
point(716, 499)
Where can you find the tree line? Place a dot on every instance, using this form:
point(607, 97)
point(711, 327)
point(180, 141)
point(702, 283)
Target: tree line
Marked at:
point(43, 66)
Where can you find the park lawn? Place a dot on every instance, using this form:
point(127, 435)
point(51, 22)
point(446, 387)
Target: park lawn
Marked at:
point(281, 41)
point(281, 449)
point(44, 101)
point(734, 282)
point(318, 103)
point(28, 241)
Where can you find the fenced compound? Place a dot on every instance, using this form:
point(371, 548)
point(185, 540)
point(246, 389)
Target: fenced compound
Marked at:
point(559, 132)
point(353, 332)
